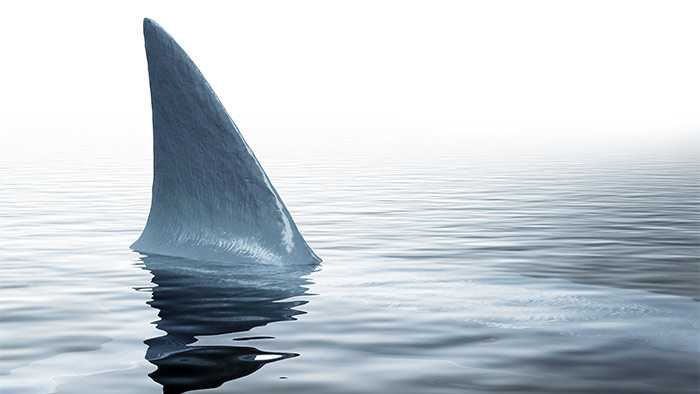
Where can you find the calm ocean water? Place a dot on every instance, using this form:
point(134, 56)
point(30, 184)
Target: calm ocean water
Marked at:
point(542, 274)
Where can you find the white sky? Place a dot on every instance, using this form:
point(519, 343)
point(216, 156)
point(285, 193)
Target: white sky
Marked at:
point(457, 72)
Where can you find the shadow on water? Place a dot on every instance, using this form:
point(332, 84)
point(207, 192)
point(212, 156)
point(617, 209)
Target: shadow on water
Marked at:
point(197, 298)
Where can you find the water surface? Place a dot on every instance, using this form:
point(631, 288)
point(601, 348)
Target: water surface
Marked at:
point(443, 274)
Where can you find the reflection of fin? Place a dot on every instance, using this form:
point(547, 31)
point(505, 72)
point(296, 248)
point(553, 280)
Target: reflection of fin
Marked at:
point(204, 367)
point(211, 198)
point(222, 301)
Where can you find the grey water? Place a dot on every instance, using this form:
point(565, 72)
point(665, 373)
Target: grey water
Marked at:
point(537, 273)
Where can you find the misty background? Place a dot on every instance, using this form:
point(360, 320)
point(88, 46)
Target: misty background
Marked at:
point(418, 79)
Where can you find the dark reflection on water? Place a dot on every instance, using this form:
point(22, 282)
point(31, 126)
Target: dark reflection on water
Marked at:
point(201, 298)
